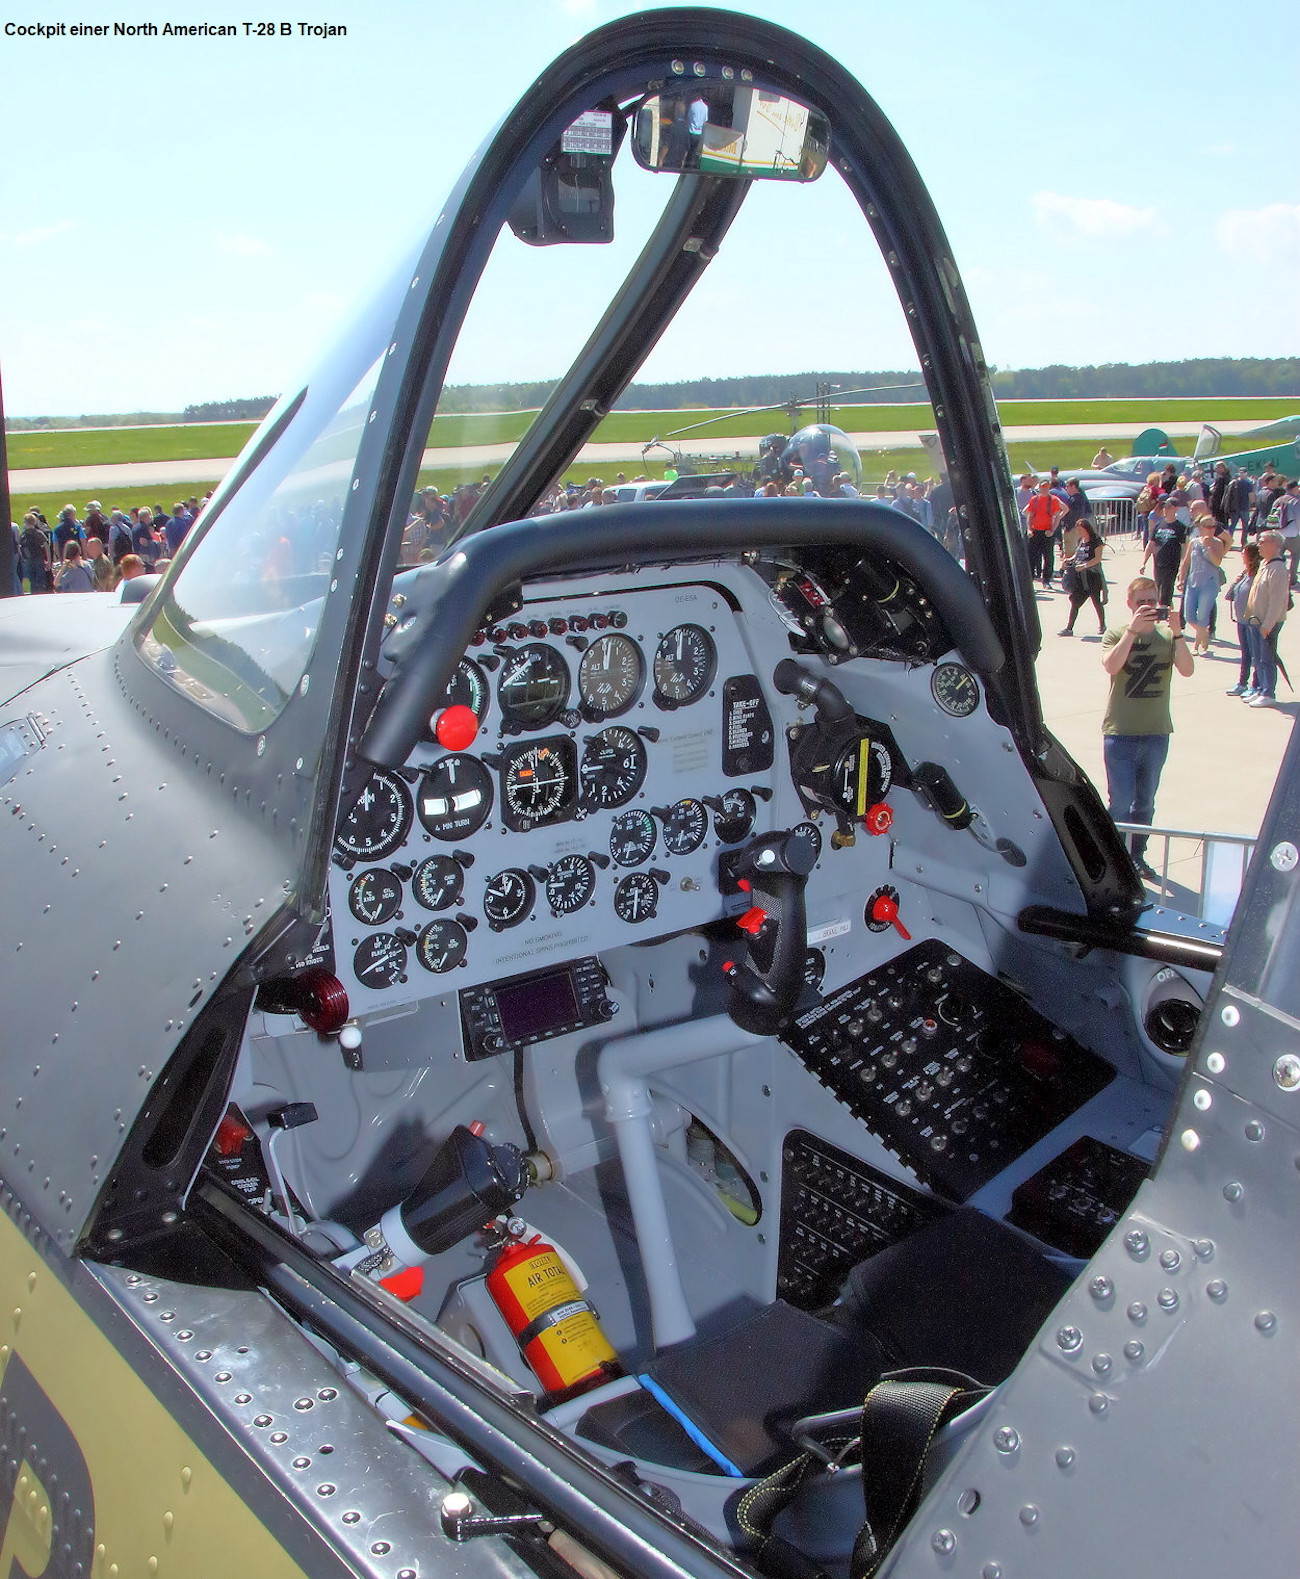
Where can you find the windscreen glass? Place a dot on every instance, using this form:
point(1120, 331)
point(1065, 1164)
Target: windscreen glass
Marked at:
point(237, 624)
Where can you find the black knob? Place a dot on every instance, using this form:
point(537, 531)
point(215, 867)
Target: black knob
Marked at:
point(463, 858)
point(659, 875)
point(405, 935)
point(541, 873)
point(468, 922)
point(648, 732)
point(597, 859)
point(579, 642)
point(400, 869)
point(760, 792)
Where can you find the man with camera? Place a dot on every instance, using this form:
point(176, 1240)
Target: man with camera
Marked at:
point(1140, 658)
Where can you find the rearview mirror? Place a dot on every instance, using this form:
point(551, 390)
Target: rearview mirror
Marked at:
point(730, 129)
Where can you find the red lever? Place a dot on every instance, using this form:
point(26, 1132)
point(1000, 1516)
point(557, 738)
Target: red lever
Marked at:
point(878, 818)
point(231, 1135)
point(457, 727)
point(885, 909)
point(752, 920)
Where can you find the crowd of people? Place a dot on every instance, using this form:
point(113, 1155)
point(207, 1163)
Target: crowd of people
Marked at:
point(95, 553)
point(1187, 525)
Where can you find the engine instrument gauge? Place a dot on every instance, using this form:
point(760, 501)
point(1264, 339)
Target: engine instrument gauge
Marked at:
point(437, 882)
point(955, 689)
point(684, 665)
point(441, 946)
point(538, 783)
point(534, 686)
point(733, 815)
point(613, 768)
point(455, 798)
point(610, 675)
point(379, 822)
point(380, 961)
point(508, 898)
point(570, 884)
point(632, 838)
point(375, 896)
point(686, 825)
point(636, 898)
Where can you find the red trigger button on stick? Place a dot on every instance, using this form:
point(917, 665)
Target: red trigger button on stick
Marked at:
point(457, 727)
point(752, 920)
point(885, 909)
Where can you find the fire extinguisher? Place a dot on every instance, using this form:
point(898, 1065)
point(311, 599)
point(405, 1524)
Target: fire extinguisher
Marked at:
point(553, 1324)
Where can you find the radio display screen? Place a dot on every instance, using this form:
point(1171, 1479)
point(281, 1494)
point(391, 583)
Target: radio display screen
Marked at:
point(536, 1008)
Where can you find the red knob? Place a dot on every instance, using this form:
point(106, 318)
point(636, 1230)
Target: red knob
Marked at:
point(231, 1135)
point(457, 727)
point(322, 1002)
point(878, 818)
point(752, 920)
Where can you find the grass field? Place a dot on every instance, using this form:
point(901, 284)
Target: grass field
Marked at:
point(111, 446)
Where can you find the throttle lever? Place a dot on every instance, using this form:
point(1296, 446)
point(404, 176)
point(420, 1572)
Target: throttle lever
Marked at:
point(765, 987)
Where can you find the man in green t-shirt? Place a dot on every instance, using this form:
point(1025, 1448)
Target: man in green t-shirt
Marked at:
point(1140, 658)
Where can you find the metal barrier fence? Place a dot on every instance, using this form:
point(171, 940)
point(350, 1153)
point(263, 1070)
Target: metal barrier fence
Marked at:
point(1201, 873)
point(1114, 517)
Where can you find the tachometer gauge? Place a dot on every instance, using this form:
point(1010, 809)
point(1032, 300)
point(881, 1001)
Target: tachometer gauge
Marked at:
point(636, 898)
point(632, 837)
point(455, 798)
point(538, 783)
point(685, 662)
point(610, 675)
point(379, 822)
point(441, 946)
point(613, 768)
point(375, 896)
point(955, 689)
point(437, 882)
point(380, 961)
point(570, 884)
point(508, 898)
point(733, 815)
point(686, 824)
point(534, 686)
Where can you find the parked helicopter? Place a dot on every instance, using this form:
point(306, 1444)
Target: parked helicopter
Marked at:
point(541, 1035)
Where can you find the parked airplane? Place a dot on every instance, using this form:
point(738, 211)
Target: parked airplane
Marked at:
point(503, 1057)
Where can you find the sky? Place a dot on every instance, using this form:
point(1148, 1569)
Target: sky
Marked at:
point(191, 219)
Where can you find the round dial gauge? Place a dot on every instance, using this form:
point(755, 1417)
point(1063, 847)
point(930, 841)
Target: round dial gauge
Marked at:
point(375, 896)
point(441, 946)
point(632, 837)
point(814, 967)
point(610, 675)
point(685, 662)
point(455, 798)
point(733, 815)
point(508, 898)
point(534, 685)
point(570, 884)
point(612, 768)
point(686, 824)
point(636, 898)
point(380, 961)
point(437, 882)
point(537, 781)
point(955, 689)
point(379, 822)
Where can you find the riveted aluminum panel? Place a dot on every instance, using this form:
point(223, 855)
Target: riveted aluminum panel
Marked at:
point(133, 880)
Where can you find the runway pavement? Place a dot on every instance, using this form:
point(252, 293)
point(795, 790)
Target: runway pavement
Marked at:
point(75, 480)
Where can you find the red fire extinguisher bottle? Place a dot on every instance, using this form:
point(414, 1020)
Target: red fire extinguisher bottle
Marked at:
point(555, 1327)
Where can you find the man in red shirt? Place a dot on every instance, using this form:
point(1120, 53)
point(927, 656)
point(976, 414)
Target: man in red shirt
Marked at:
point(1042, 514)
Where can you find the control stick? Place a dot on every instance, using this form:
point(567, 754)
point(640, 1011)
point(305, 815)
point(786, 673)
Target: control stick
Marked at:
point(765, 987)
